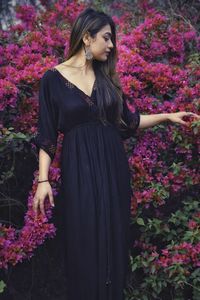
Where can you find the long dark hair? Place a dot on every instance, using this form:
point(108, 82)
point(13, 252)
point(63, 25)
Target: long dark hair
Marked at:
point(108, 87)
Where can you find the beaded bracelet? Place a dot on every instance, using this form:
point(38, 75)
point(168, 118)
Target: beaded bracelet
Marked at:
point(42, 181)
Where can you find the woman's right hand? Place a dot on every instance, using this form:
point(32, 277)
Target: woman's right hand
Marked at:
point(43, 190)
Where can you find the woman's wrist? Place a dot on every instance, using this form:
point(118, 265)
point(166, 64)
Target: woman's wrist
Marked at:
point(43, 177)
point(45, 180)
point(167, 116)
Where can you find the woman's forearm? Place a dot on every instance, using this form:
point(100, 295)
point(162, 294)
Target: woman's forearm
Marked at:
point(147, 121)
point(44, 164)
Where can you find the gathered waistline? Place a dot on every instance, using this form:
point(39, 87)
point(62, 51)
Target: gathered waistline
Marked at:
point(88, 123)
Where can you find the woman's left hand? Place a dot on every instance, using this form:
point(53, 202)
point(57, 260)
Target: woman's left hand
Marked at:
point(177, 117)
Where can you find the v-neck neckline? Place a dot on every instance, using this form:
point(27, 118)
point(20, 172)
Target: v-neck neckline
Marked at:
point(75, 86)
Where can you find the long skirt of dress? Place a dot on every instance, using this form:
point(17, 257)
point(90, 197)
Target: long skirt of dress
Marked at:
point(95, 201)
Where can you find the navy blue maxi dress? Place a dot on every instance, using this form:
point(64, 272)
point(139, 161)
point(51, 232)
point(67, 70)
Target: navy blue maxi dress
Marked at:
point(95, 187)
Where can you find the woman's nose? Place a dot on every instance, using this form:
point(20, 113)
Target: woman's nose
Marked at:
point(111, 44)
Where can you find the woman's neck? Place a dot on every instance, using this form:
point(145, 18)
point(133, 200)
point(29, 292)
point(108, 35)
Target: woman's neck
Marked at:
point(80, 62)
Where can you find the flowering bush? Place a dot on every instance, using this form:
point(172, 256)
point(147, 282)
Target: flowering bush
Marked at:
point(166, 257)
point(159, 67)
point(162, 75)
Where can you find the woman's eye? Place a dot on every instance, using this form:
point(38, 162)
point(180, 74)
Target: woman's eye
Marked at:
point(106, 39)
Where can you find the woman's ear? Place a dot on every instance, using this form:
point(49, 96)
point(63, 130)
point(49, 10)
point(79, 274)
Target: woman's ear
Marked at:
point(86, 39)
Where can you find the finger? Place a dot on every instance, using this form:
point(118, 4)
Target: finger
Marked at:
point(35, 211)
point(35, 204)
point(197, 116)
point(183, 122)
point(42, 207)
point(51, 199)
point(193, 114)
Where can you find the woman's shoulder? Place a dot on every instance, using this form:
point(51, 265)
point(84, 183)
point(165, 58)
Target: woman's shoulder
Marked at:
point(49, 74)
point(54, 69)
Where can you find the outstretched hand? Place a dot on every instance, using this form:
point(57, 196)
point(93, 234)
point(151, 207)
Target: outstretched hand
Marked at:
point(177, 117)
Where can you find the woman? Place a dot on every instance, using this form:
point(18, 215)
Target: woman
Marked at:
point(83, 99)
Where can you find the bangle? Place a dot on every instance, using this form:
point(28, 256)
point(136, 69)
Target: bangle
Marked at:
point(39, 181)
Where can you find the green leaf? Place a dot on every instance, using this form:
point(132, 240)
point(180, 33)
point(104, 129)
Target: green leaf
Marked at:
point(2, 286)
point(144, 297)
point(153, 269)
point(134, 267)
point(145, 264)
point(140, 221)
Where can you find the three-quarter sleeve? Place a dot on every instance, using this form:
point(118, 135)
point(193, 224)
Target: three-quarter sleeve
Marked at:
point(131, 118)
point(47, 133)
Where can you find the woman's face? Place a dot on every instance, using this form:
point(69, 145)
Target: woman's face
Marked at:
point(102, 44)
